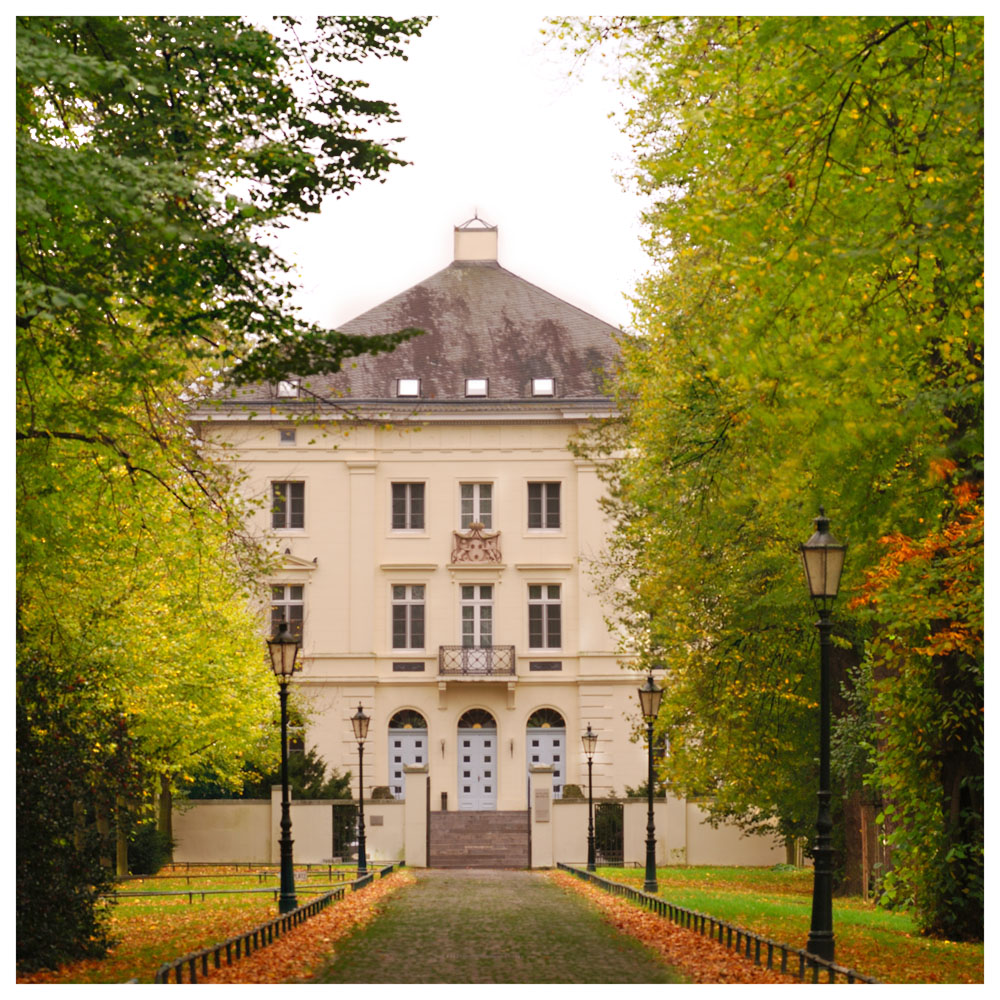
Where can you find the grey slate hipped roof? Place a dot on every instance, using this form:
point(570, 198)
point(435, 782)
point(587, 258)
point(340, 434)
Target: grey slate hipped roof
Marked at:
point(480, 321)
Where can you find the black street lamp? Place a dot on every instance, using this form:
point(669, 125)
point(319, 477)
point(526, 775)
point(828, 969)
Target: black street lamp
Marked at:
point(284, 648)
point(360, 722)
point(823, 560)
point(649, 699)
point(589, 746)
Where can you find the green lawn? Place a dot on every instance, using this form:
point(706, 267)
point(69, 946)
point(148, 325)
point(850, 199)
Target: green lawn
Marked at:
point(154, 930)
point(777, 903)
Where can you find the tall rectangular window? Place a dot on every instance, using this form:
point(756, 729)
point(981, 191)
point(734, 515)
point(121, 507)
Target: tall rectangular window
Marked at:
point(407, 506)
point(287, 605)
point(477, 615)
point(544, 616)
point(543, 505)
point(288, 505)
point(407, 617)
point(477, 504)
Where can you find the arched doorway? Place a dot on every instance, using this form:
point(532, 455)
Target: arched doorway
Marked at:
point(407, 745)
point(546, 743)
point(477, 761)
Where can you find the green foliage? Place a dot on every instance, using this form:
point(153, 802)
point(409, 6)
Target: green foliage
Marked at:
point(853, 742)
point(68, 761)
point(641, 791)
point(148, 849)
point(153, 153)
point(307, 779)
point(811, 333)
point(155, 156)
point(572, 792)
point(929, 699)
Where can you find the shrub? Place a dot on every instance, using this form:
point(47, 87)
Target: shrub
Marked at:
point(148, 850)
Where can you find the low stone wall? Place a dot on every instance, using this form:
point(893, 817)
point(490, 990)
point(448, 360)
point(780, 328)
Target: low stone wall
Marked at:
point(683, 835)
point(223, 830)
point(248, 830)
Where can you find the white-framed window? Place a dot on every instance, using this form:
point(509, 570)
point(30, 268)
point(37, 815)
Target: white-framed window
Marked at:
point(543, 387)
point(288, 505)
point(544, 506)
point(286, 436)
point(407, 387)
point(476, 504)
point(408, 616)
point(407, 506)
point(289, 388)
point(477, 614)
point(477, 387)
point(544, 616)
point(287, 605)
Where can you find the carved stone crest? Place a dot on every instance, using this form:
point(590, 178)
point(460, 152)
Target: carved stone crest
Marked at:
point(476, 545)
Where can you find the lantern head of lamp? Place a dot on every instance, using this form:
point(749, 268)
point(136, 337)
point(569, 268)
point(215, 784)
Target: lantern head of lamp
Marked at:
point(823, 561)
point(360, 722)
point(589, 741)
point(649, 699)
point(284, 648)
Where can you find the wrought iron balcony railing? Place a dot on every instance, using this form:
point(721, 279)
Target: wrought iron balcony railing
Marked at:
point(476, 661)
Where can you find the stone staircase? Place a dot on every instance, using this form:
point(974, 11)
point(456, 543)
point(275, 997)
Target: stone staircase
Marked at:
point(479, 840)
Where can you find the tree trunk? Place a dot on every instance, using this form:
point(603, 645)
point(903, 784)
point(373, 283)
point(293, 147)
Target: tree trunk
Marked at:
point(121, 837)
point(165, 818)
point(855, 838)
point(79, 823)
point(104, 829)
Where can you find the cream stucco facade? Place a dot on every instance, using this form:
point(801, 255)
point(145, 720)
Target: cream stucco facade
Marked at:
point(348, 558)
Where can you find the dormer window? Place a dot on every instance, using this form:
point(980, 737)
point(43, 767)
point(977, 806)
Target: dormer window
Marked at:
point(407, 387)
point(289, 388)
point(477, 387)
point(543, 387)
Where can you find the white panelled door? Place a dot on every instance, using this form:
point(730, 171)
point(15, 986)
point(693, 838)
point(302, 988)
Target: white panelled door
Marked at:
point(406, 746)
point(477, 769)
point(548, 746)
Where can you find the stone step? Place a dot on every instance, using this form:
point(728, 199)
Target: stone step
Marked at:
point(479, 840)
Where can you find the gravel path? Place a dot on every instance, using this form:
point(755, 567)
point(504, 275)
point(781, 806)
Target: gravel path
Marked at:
point(476, 926)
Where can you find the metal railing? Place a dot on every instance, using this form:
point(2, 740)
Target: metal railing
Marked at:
point(235, 948)
point(476, 661)
point(274, 890)
point(761, 950)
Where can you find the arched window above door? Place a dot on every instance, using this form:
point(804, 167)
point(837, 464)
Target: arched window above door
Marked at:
point(477, 718)
point(546, 718)
point(407, 719)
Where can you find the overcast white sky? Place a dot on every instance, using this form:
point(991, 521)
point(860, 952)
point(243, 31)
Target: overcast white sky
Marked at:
point(494, 124)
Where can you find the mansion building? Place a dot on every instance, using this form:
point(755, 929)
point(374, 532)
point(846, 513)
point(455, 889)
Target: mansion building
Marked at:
point(435, 532)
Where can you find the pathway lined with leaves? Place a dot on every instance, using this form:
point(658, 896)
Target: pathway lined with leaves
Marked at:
point(475, 926)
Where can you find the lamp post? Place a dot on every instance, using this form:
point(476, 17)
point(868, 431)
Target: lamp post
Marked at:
point(360, 722)
point(589, 746)
point(649, 699)
point(823, 560)
point(284, 649)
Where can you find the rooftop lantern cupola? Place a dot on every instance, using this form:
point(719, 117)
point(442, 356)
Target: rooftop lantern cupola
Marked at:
point(475, 240)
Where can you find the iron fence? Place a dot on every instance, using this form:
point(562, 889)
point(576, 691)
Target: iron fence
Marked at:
point(476, 661)
point(761, 950)
point(235, 948)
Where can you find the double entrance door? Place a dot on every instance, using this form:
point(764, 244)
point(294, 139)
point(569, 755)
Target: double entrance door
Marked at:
point(477, 769)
